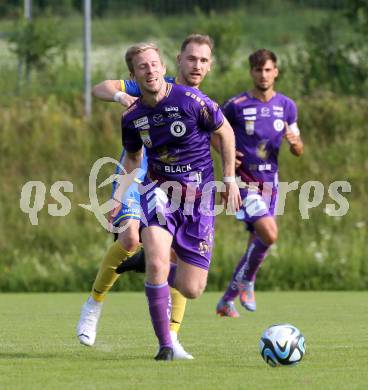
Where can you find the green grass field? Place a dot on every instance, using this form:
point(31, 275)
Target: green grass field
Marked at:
point(38, 348)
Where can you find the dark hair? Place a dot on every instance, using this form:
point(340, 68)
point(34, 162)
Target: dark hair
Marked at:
point(260, 57)
point(197, 38)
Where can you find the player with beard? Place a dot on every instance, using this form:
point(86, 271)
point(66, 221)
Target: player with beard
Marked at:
point(261, 119)
point(194, 62)
point(178, 153)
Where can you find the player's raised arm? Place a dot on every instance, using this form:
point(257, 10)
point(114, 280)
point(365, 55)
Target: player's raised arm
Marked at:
point(292, 136)
point(226, 139)
point(110, 91)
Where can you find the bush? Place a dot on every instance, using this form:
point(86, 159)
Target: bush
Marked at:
point(38, 43)
point(49, 141)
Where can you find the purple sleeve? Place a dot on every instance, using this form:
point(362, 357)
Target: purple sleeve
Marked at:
point(292, 113)
point(228, 110)
point(131, 140)
point(210, 115)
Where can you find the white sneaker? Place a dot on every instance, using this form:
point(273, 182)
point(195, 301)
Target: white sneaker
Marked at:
point(179, 352)
point(87, 325)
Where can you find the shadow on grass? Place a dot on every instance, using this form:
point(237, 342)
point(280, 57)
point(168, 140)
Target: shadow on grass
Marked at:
point(22, 355)
point(75, 356)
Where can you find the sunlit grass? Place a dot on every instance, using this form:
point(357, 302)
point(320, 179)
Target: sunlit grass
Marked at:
point(39, 347)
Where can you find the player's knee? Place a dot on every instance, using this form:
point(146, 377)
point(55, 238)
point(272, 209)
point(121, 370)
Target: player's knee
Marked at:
point(271, 236)
point(190, 293)
point(129, 240)
point(155, 267)
point(193, 291)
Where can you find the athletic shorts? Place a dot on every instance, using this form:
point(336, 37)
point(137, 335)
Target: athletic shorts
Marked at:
point(131, 207)
point(256, 205)
point(192, 227)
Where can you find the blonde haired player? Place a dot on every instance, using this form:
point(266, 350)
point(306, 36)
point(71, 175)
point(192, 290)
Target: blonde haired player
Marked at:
point(194, 62)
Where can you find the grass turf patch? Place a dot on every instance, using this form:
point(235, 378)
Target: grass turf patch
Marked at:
point(39, 349)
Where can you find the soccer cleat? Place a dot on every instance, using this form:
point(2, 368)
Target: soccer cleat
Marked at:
point(134, 263)
point(165, 353)
point(226, 309)
point(246, 295)
point(179, 352)
point(87, 325)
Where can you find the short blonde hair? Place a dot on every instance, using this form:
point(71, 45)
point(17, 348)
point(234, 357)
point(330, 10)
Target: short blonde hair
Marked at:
point(137, 49)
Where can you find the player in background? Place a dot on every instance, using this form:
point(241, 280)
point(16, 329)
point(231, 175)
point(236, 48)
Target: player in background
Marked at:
point(178, 150)
point(261, 119)
point(194, 62)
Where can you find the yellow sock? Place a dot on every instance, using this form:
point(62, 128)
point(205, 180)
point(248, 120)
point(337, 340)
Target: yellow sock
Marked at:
point(178, 309)
point(106, 275)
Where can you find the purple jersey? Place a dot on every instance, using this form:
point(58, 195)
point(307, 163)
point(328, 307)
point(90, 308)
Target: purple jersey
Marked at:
point(176, 134)
point(259, 129)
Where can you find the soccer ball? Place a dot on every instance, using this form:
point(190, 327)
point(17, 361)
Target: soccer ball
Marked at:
point(282, 345)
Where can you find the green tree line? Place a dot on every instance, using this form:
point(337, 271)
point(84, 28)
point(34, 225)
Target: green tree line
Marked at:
point(101, 8)
point(45, 137)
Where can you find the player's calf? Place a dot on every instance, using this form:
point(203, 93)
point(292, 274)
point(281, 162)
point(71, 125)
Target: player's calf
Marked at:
point(190, 280)
point(134, 263)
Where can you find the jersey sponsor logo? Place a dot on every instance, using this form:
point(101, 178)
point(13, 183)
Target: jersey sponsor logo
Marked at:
point(204, 248)
point(177, 168)
point(129, 203)
point(265, 112)
point(158, 120)
point(278, 111)
point(250, 118)
point(171, 108)
point(141, 121)
point(278, 114)
point(261, 150)
point(264, 167)
point(278, 124)
point(165, 157)
point(178, 128)
point(249, 127)
point(174, 115)
point(278, 108)
point(250, 111)
point(145, 137)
